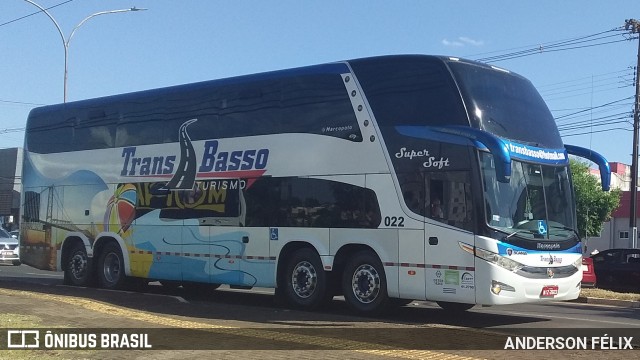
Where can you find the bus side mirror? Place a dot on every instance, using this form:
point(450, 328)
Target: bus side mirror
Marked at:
point(603, 164)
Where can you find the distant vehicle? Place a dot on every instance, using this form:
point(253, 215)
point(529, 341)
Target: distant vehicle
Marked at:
point(9, 251)
point(618, 269)
point(588, 274)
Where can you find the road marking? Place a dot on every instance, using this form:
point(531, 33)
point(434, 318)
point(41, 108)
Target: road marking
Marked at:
point(179, 298)
point(338, 344)
point(52, 275)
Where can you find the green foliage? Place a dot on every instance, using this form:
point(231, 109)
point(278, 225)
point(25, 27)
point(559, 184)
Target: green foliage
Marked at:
point(593, 206)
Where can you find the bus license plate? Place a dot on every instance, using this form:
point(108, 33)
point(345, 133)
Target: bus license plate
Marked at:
point(549, 291)
point(7, 253)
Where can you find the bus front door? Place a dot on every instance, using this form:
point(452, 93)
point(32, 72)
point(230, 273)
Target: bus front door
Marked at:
point(449, 241)
point(450, 270)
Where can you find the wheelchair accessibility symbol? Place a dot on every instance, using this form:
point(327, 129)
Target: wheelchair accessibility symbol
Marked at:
point(542, 227)
point(273, 233)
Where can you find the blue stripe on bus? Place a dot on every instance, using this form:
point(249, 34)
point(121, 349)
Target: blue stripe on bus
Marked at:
point(514, 149)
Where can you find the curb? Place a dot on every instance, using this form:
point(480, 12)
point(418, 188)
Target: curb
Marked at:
point(609, 302)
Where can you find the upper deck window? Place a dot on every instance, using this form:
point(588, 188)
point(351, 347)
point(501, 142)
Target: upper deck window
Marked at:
point(505, 104)
point(410, 90)
point(299, 103)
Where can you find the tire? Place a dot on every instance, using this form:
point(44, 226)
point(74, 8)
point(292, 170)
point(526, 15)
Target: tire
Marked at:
point(454, 307)
point(16, 263)
point(364, 284)
point(305, 281)
point(77, 270)
point(111, 267)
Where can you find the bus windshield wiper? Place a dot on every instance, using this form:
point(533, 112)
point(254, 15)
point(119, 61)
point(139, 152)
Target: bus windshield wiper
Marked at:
point(516, 232)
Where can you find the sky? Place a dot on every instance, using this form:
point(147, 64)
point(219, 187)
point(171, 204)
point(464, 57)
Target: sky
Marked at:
point(589, 89)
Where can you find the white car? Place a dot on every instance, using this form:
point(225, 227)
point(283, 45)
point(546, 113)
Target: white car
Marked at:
point(9, 250)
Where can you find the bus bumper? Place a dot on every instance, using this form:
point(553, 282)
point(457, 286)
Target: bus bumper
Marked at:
point(498, 286)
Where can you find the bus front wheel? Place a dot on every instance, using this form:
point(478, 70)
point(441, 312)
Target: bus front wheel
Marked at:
point(364, 283)
point(305, 282)
point(77, 271)
point(111, 267)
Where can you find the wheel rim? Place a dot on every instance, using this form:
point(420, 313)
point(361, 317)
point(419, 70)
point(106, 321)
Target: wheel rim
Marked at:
point(78, 265)
point(111, 268)
point(304, 279)
point(366, 283)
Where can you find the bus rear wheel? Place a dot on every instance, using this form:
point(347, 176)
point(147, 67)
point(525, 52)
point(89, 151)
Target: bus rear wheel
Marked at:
point(305, 282)
point(111, 267)
point(77, 271)
point(364, 283)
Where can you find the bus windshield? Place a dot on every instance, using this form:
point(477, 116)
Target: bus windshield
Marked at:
point(535, 204)
point(506, 105)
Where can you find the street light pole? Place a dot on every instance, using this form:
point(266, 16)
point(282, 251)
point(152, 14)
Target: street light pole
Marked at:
point(634, 27)
point(66, 41)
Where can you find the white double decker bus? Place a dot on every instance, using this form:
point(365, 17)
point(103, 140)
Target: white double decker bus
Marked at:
point(382, 179)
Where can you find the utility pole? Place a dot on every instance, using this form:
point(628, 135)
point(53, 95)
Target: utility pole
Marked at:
point(633, 26)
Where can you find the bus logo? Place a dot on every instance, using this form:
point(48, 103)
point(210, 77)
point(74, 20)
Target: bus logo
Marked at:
point(185, 177)
point(244, 163)
point(550, 273)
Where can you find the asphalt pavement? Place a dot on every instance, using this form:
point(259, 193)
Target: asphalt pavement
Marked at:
point(176, 327)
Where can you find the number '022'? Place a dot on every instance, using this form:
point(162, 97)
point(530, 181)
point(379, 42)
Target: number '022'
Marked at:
point(394, 221)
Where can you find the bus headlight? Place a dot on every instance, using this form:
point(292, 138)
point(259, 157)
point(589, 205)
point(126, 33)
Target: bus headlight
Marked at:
point(502, 261)
point(497, 287)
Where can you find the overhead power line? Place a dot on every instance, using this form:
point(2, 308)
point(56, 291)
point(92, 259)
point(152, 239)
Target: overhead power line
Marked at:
point(37, 12)
point(597, 39)
point(587, 79)
point(583, 118)
point(600, 120)
point(20, 103)
point(597, 132)
point(596, 83)
point(591, 108)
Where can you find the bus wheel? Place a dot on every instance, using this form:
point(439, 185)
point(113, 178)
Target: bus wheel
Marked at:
point(16, 263)
point(305, 280)
point(111, 267)
point(454, 307)
point(364, 283)
point(77, 270)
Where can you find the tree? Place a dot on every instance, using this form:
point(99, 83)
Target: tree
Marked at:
point(593, 206)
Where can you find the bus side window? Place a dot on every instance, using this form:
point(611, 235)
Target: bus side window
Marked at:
point(450, 198)
point(305, 202)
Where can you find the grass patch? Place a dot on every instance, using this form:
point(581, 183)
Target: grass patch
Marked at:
point(18, 321)
point(608, 294)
